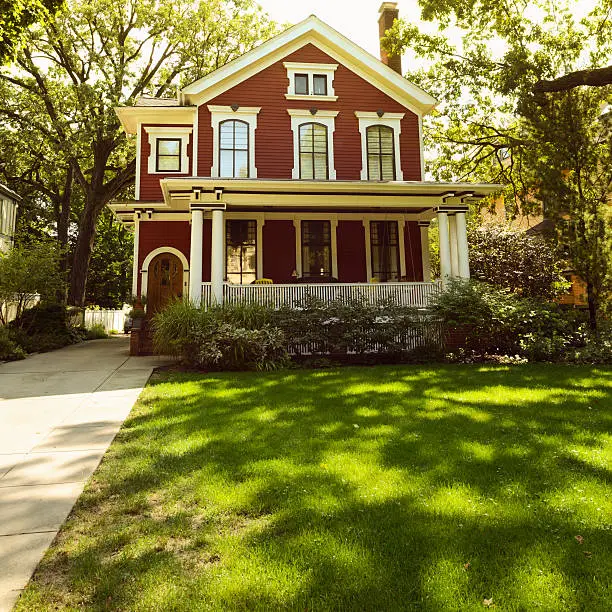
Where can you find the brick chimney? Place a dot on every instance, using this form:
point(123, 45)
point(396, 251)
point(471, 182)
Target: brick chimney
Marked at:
point(388, 14)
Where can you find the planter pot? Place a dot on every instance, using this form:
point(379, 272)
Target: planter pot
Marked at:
point(137, 323)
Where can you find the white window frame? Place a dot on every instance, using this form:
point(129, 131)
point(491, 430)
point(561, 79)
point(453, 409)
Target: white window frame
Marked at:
point(248, 114)
point(178, 133)
point(324, 117)
point(392, 120)
point(310, 70)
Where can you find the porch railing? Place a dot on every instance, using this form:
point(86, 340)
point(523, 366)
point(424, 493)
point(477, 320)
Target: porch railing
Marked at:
point(417, 295)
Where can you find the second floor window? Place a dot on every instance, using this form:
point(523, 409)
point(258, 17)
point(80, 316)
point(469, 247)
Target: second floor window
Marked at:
point(319, 85)
point(384, 244)
point(234, 149)
point(381, 153)
point(241, 251)
point(313, 151)
point(316, 248)
point(168, 155)
point(301, 84)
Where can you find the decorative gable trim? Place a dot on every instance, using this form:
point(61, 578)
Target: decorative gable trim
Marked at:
point(311, 30)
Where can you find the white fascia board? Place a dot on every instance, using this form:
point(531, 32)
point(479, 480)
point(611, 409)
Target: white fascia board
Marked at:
point(328, 40)
point(131, 116)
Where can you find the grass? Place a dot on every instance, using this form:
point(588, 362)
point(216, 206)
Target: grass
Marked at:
point(385, 488)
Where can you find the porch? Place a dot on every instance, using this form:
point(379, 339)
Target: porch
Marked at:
point(417, 295)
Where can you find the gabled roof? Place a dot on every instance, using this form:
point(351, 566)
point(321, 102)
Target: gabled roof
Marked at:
point(310, 30)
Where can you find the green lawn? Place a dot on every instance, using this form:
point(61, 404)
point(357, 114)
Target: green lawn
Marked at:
point(384, 488)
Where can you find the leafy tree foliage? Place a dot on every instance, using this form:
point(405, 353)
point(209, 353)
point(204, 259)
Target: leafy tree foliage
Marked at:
point(552, 151)
point(95, 55)
point(15, 18)
point(513, 260)
point(27, 271)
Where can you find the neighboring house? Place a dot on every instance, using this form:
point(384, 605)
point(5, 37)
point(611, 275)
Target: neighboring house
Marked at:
point(9, 201)
point(298, 164)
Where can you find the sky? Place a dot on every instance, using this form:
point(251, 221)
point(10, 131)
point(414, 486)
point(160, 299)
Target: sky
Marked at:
point(356, 19)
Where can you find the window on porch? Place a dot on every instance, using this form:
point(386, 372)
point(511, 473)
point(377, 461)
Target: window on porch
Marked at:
point(316, 248)
point(241, 251)
point(385, 250)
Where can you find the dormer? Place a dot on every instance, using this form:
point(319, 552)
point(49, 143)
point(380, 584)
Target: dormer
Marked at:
point(310, 82)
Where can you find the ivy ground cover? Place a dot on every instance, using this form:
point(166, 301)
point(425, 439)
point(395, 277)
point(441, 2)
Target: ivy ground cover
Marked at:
point(386, 488)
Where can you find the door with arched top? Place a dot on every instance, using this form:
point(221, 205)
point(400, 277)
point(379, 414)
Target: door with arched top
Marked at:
point(164, 281)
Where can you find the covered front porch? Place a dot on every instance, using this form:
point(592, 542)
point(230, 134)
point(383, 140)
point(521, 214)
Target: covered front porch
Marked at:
point(278, 241)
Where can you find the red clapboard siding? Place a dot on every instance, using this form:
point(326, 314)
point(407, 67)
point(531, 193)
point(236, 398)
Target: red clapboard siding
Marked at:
point(351, 252)
point(414, 257)
point(156, 234)
point(150, 190)
point(279, 251)
point(274, 138)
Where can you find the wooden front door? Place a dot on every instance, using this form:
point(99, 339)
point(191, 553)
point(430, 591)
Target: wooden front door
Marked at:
point(165, 281)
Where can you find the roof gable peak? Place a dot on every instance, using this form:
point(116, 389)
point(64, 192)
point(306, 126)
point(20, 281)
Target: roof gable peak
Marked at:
point(310, 30)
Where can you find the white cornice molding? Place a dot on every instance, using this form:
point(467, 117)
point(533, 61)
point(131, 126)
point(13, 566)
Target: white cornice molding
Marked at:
point(309, 66)
point(371, 115)
point(241, 110)
point(305, 112)
point(131, 116)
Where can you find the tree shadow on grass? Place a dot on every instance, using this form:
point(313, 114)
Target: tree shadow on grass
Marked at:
point(361, 488)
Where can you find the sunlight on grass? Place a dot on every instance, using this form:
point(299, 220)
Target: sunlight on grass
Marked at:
point(384, 488)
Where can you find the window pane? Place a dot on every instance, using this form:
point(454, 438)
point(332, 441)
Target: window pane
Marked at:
point(320, 166)
point(385, 250)
point(301, 84)
point(306, 166)
point(226, 166)
point(373, 168)
point(380, 143)
point(241, 169)
point(320, 85)
point(168, 147)
point(388, 168)
point(168, 164)
point(316, 248)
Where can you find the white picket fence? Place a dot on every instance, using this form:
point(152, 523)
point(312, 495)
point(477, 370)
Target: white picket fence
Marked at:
point(112, 320)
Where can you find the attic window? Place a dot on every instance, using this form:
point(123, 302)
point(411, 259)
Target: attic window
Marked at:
point(168, 155)
point(310, 81)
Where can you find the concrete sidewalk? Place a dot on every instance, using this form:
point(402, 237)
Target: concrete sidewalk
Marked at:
point(59, 412)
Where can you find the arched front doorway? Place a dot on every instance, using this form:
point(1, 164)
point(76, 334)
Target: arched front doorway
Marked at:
point(164, 281)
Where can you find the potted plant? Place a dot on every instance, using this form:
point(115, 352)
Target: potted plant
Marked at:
point(137, 314)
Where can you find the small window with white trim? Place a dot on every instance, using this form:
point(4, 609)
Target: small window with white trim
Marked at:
point(168, 155)
point(310, 81)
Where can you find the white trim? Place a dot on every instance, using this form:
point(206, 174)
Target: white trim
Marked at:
point(309, 69)
point(401, 221)
point(324, 117)
point(312, 30)
point(147, 262)
point(138, 160)
point(130, 116)
point(248, 114)
point(156, 132)
point(194, 148)
point(421, 149)
point(392, 120)
point(135, 255)
point(454, 253)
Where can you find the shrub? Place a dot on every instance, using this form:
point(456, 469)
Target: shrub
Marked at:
point(220, 338)
point(500, 322)
point(9, 350)
point(96, 332)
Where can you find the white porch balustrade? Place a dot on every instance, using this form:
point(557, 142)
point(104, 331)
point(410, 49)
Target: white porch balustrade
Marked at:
point(417, 295)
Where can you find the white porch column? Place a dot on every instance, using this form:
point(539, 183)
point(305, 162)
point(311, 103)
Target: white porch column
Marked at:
point(445, 256)
point(217, 259)
point(195, 257)
point(424, 227)
point(462, 246)
point(135, 267)
point(452, 226)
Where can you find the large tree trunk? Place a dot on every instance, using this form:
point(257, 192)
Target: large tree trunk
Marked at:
point(592, 301)
point(82, 253)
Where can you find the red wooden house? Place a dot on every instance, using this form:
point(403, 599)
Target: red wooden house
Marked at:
point(298, 166)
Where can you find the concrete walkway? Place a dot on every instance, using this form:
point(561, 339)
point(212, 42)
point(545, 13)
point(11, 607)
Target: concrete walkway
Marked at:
point(59, 412)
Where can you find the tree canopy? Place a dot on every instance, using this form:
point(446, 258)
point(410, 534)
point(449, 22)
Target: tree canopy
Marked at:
point(486, 64)
point(72, 71)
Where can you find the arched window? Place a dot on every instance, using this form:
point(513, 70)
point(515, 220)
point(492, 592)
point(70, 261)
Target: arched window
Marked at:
point(381, 153)
point(234, 149)
point(313, 151)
